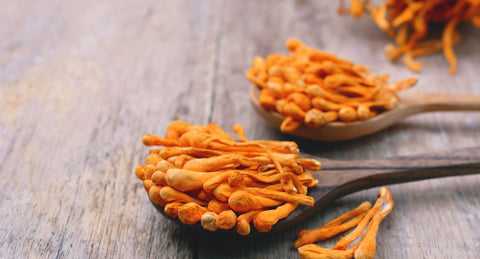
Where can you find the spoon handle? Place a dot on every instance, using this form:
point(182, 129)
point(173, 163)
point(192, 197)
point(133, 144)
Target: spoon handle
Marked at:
point(339, 178)
point(425, 102)
point(351, 176)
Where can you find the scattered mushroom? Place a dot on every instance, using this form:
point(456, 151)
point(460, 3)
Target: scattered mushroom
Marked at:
point(408, 23)
point(361, 216)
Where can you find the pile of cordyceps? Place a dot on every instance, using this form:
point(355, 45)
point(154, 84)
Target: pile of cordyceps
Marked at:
point(204, 175)
point(315, 87)
point(408, 22)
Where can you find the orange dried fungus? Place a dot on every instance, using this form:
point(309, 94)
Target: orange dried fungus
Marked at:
point(315, 87)
point(359, 218)
point(408, 22)
point(202, 175)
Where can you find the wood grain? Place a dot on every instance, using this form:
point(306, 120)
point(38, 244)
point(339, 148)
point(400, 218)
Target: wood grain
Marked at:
point(82, 81)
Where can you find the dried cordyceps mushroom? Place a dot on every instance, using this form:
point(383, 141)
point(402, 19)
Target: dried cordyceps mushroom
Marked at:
point(203, 175)
point(359, 217)
point(314, 87)
point(339, 225)
point(408, 23)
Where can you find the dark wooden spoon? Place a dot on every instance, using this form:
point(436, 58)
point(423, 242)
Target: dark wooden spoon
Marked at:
point(339, 178)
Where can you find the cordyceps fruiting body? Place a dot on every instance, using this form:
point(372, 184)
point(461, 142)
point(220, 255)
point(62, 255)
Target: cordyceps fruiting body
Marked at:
point(314, 87)
point(202, 175)
point(358, 244)
point(409, 23)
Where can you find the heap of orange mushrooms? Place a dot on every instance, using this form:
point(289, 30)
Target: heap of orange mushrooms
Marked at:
point(314, 87)
point(408, 22)
point(202, 175)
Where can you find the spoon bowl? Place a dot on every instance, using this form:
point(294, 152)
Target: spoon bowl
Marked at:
point(410, 103)
point(339, 178)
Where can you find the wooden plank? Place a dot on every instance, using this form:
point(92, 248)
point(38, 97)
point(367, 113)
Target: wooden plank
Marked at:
point(91, 80)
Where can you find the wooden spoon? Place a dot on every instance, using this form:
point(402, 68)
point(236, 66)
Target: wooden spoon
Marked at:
point(339, 178)
point(410, 103)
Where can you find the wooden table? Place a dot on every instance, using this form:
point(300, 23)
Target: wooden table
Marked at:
point(81, 82)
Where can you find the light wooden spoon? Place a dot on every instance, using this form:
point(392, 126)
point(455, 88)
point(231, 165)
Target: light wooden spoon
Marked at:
point(410, 103)
point(339, 178)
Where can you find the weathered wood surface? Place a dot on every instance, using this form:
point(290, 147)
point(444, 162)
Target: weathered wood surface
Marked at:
point(82, 81)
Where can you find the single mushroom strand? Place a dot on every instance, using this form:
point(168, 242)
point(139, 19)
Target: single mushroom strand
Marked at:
point(264, 220)
point(334, 227)
point(352, 236)
point(226, 220)
point(171, 209)
point(312, 251)
point(367, 245)
point(208, 220)
point(185, 180)
point(168, 194)
point(191, 213)
point(243, 201)
point(243, 222)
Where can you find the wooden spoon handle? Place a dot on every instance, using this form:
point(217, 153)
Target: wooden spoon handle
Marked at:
point(339, 178)
point(425, 102)
point(359, 175)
